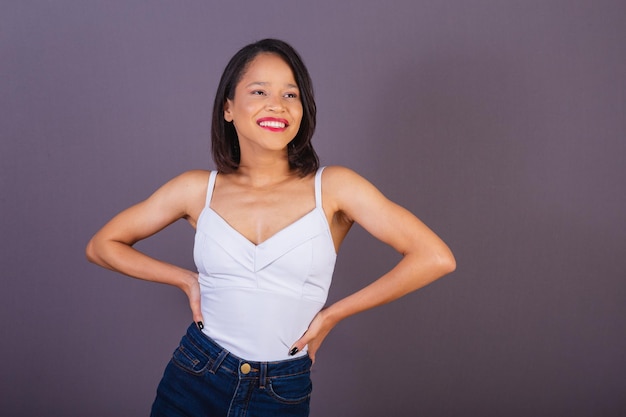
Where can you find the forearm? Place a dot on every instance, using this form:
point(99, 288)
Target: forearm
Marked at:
point(411, 273)
point(125, 259)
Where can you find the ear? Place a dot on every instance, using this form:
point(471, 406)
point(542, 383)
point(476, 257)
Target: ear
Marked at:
point(228, 116)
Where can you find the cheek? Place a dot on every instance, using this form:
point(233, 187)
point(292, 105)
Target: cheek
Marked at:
point(298, 112)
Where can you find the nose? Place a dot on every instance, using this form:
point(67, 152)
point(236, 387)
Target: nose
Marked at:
point(274, 103)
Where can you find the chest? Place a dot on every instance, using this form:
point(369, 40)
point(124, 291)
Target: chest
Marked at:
point(259, 214)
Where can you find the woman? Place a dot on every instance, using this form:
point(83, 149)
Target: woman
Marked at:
point(268, 225)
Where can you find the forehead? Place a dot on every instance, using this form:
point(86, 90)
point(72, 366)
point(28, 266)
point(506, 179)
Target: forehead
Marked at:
point(268, 67)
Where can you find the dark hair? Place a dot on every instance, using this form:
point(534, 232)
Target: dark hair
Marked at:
point(224, 140)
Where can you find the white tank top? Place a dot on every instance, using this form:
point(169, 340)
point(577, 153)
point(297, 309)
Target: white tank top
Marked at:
point(257, 300)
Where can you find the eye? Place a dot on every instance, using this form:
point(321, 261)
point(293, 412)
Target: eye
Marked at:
point(257, 93)
point(291, 95)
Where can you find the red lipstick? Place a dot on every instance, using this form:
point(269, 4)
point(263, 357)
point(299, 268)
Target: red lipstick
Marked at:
point(274, 124)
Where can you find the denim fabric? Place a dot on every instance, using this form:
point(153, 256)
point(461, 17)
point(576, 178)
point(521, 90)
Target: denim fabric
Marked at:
point(203, 379)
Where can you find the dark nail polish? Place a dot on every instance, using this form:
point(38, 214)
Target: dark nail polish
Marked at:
point(293, 351)
point(200, 325)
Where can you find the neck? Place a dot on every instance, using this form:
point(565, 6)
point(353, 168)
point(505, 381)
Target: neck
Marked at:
point(259, 170)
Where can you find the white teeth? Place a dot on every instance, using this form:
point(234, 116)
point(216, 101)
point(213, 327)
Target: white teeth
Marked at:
point(274, 124)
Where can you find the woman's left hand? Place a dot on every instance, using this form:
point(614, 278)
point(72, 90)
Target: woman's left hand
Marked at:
point(319, 328)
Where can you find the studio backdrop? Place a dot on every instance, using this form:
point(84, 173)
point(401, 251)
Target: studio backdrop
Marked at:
point(500, 124)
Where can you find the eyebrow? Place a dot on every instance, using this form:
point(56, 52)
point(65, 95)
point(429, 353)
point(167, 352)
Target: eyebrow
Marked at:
point(265, 84)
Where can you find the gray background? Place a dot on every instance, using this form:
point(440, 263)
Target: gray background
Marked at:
point(500, 123)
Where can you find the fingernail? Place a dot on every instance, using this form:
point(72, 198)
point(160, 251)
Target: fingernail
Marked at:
point(293, 351)
point(200, 325)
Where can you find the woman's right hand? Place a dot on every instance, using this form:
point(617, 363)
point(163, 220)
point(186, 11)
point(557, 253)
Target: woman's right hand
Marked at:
point(192, 290)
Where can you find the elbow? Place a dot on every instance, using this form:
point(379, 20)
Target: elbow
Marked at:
point(91, 252)
point(450, 264)
point(446, 263)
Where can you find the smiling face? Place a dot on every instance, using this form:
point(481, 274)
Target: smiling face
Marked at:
point(266, 109)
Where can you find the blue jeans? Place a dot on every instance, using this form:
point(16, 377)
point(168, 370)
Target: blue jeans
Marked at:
point(203, 379)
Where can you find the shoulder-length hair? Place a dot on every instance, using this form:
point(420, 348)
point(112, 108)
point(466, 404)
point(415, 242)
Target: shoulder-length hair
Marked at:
point(224, 140)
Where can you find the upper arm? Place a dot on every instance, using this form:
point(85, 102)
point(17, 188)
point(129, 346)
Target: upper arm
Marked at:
point(360, 201)
point(179, 198)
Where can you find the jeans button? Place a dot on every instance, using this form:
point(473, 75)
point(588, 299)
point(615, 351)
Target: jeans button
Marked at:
point(245, 368)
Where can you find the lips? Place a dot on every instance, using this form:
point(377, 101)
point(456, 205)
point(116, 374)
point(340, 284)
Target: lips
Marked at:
point(273, 123)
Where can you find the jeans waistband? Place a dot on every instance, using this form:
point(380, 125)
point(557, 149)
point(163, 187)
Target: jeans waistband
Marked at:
point(220, 357)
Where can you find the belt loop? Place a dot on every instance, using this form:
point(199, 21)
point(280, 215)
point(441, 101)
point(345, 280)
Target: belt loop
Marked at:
point(218, 361)
point(263, 375)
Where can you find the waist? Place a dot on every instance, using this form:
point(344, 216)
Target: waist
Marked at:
point(254, 324)
point(222, 358)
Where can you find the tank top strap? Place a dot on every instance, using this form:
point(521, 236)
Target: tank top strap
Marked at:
point(318, 187)
point(210, 187)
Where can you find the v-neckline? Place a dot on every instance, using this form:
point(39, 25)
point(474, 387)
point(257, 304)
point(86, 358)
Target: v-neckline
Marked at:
point(267, 240)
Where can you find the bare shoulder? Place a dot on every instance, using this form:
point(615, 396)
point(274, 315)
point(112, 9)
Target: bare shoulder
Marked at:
point(341, 182)
point(335, 172)
point(184, 186)
point(338, 179)
point(192, 178)
point(189, 189)
point(347, 192)
point(182, 196)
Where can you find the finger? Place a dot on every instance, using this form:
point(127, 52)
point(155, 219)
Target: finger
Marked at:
point(198, 320)
point(196, 312)
point(312, 351)
point(298, 346)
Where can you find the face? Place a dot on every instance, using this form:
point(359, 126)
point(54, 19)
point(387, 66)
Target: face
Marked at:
point(266, 109)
